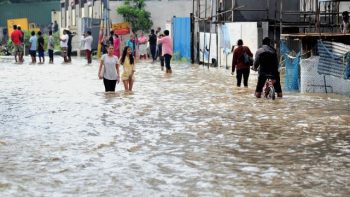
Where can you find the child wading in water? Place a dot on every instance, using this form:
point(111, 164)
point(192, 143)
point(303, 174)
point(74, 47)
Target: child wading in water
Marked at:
point(127, 60)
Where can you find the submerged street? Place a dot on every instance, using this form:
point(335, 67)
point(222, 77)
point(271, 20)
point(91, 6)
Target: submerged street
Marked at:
point(189, 133)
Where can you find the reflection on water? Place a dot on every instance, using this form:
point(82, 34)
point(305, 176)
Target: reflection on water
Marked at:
point(191, 133)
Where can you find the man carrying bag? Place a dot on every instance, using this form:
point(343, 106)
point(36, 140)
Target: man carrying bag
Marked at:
point(241, 61)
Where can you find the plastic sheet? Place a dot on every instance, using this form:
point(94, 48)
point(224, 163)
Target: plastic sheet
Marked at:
point(292, 79)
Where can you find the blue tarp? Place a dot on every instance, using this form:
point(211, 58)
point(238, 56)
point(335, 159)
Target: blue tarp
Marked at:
point(225, 39)
point(292, 82)
point(182, 37)
point(347, 69)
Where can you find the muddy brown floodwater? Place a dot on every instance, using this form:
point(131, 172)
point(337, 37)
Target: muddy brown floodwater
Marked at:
point(191, 133)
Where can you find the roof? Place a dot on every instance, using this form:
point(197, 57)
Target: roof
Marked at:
point(303, 35)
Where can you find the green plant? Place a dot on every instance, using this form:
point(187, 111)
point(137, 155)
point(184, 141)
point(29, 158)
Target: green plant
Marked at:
point(10, 46)
point(178, 59)
point(56, 38)
point(134, 12)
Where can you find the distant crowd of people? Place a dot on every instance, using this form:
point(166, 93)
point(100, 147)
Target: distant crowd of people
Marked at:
point(157, 44)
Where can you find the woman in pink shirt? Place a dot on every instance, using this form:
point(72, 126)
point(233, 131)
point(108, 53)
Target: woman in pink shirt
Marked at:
point(142, 40)
point(167, 49)
point(116, 43)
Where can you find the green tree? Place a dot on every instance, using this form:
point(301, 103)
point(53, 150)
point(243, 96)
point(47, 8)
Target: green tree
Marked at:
point(134, 12)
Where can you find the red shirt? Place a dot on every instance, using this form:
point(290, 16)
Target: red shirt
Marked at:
point(237, 59)
point(16, 37)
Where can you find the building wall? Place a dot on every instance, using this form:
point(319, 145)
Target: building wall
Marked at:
point(272, 12)
point(56, 16)
point(161, 11)
point(39, 13)
point(313, 82)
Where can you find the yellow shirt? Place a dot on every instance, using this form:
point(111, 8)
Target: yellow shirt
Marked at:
point(127, 69)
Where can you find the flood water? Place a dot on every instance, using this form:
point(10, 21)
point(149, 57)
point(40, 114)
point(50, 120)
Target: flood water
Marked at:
point(191, 133)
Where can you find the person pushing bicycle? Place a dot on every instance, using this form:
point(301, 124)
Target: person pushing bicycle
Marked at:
point(266, 61)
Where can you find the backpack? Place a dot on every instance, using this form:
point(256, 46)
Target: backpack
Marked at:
point(247, 59)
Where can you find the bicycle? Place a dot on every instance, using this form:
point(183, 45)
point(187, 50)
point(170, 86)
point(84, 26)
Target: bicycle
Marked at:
point(269, 89)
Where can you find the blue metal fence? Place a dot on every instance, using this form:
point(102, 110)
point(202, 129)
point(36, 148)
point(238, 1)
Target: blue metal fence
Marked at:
point(182, 37)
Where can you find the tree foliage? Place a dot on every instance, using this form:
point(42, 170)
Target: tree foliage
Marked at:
point(134, 12)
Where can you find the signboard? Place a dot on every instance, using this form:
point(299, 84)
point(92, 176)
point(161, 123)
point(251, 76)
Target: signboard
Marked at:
point(121, 28)
point(23, 22)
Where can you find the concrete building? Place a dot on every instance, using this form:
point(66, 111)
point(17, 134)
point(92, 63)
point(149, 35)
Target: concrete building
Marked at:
point(161, 11)
point(249, 20)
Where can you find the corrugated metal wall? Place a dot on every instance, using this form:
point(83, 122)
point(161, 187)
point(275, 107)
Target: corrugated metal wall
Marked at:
point(332, 58)
point(182, 36)
point(39, 13)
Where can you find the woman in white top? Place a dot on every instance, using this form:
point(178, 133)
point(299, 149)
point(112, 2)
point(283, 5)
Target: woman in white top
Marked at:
point(109, 70)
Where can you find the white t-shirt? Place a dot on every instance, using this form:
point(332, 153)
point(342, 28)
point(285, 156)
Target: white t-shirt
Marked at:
point(88, 42)
point(64, 43)
point(50, 43)
point(110, 71)
point(34, 43)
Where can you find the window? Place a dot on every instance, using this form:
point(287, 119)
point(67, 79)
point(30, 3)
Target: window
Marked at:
point(90, 12)
point(73, 18)
point(82, 12)
point(67, 19)
point(63, 17)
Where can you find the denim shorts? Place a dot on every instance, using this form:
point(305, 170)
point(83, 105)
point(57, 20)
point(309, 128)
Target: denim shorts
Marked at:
point(41, 53)
point(32, 53)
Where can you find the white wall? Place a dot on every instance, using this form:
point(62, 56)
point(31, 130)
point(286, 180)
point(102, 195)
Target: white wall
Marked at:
point(312, 82)
point(248, 32)
point(204, 39)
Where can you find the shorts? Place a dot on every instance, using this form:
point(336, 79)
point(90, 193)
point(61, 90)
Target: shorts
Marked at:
point(32, 53)
point(64, 49)
point(18, 48)
point(109, 84)
point(41, 53)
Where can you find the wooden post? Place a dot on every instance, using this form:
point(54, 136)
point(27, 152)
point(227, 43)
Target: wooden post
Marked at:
point(267, 9)
point(205, 27)
point(281, 16)
point(210, 24)
point(233, 2)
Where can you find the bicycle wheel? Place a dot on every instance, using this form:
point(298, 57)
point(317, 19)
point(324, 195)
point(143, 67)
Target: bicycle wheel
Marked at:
point(272, 93)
